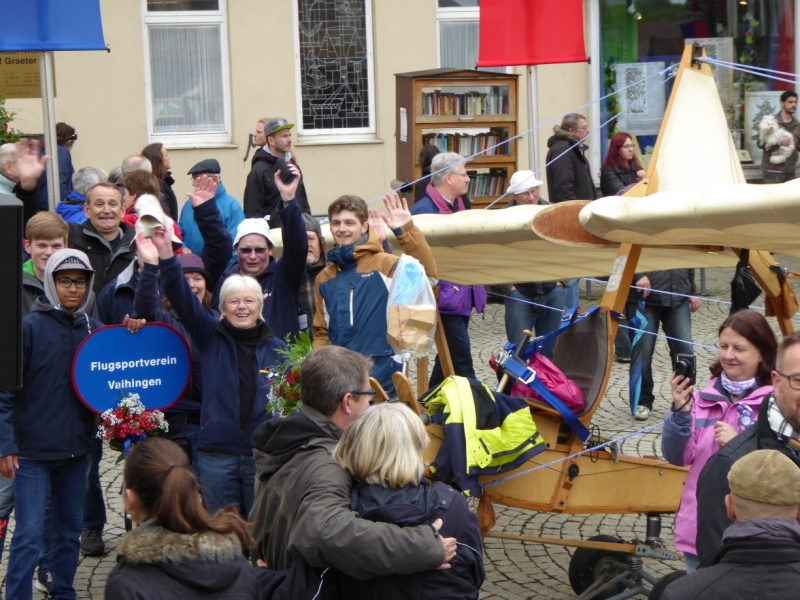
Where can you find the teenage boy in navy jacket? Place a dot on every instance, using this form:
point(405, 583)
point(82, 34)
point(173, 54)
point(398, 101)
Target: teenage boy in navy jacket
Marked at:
point(45, 430)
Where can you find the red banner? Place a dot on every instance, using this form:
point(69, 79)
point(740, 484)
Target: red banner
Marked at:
point(531, 32)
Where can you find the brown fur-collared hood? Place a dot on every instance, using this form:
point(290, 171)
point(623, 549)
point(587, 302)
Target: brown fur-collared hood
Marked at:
point(162, 564)
point(152, 544)
point(562, 133)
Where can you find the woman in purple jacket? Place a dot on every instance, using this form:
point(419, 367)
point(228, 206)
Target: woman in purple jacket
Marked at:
point(700, 423)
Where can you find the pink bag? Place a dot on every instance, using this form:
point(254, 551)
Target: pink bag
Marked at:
point(564, 389)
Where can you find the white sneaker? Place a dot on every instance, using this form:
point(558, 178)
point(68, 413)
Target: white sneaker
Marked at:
point(642, 413)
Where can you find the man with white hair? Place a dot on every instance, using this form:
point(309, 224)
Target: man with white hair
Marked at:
point(280, 279)
point(534, 306)
point(71, 207)
point(20, 169)
point(444, 196)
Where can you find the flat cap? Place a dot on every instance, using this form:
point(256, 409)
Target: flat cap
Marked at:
point(208, 165)
point(766, 476)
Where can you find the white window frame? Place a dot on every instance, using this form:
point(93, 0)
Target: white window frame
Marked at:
point(335, 135)
point(456, 13)
point(204, 17)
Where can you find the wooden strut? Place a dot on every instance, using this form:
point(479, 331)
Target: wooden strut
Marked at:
point(610, 546)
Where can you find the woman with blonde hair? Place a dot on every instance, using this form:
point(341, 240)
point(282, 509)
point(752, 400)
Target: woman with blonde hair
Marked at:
point(383, 451)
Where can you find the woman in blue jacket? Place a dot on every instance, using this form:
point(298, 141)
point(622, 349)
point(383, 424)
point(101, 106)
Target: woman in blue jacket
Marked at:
point(233, 350)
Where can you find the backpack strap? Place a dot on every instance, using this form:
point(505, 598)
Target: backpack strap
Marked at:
point(526, 375)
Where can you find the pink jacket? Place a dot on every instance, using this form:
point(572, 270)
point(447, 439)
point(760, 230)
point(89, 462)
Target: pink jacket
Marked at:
point(689, 441)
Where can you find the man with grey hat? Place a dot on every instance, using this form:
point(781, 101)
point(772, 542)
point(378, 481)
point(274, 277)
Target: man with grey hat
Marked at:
point(261, 196)
point(535, 306)
point(46, 432)
point(777, 428)
point(760, 553)
point(229, 208)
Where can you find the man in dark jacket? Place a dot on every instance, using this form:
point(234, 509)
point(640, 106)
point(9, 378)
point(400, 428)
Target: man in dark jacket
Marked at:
point(280, 279)
point(777, 428)
point(569, 177)
point(104, 239)
point(760, 553)
point(315, 262)
point(46, 424)
point(785, 171)
point(302, 511)
point(673, 311)
point(262, 198)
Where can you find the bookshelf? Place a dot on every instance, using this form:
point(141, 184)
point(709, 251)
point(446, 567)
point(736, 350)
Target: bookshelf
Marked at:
point(460, 111)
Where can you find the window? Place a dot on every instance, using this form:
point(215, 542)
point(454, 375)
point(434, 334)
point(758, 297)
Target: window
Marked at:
point(186, 69)
point(458, 35)
point(643, 36)
point(334, 66)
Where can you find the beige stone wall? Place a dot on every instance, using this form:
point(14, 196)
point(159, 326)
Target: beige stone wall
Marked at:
point(102, 95)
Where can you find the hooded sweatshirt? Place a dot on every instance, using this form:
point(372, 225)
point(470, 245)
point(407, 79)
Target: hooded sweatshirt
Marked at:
point(45, 419)
point(153, 562)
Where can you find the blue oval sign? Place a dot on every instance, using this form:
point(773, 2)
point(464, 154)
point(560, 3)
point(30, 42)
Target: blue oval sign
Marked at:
point(111, 363)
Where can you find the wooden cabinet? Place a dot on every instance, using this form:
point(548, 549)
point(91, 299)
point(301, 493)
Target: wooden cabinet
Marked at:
point(460, 111)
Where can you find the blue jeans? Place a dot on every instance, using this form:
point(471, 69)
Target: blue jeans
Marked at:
point(66, 480)
point(227, 479)
point(456, 332)
point(7, 507)
point(692, 562)
point(522, 315)
point(94, 516)
point(677, 323)
point(573, 299)
point(193, 435)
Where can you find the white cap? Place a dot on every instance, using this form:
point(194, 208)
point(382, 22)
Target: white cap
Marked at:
point(248, 226)
point(522, 181)
point(150, 214)
point(143, 225)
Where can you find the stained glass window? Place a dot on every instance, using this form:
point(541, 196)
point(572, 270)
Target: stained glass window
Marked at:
point(335, 65)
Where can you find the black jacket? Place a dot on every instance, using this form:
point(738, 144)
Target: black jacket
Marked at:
point(261, 197)
point(156, 564)
point(757, 567)
point(712, 486)
point(417, 505)
point(613, 179)
point(107, 263)
point(169, 202)
point(569, 177)
point(677, 281)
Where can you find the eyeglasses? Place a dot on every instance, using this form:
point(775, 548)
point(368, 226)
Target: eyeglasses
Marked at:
point(794, 380)
point(370, 393)
point(248, 302)
point(247, 251)
point(460, 174)
point(628, 146)
point(66, 283)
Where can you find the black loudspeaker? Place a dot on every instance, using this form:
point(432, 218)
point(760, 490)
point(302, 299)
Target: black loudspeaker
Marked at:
point(10, 292)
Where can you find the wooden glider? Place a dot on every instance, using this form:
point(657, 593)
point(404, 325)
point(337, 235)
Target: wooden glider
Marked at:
point(692, 209)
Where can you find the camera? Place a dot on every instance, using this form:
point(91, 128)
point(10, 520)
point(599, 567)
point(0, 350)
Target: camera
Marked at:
point(686, 365)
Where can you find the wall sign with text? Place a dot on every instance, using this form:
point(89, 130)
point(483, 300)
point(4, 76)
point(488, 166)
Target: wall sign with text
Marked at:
point(112, 363)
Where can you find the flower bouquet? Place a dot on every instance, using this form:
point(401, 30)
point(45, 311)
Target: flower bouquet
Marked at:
point(130, 423)
point(284, 378)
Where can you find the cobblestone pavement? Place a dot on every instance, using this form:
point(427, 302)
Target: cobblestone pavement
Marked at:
point(516, 570)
